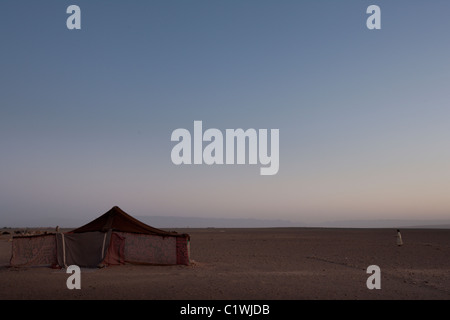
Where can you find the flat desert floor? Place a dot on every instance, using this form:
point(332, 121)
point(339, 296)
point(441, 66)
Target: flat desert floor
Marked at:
point(261, 264)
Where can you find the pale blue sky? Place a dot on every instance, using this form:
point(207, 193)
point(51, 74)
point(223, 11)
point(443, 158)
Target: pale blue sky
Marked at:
point(86, 115)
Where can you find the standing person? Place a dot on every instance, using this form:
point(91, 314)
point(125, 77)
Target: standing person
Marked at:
point(399, 238)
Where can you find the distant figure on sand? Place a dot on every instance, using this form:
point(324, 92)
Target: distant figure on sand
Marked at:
point(399, 238)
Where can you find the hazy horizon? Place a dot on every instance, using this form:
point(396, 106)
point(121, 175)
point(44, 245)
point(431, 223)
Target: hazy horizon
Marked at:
point(86, 116)
point(168, 222)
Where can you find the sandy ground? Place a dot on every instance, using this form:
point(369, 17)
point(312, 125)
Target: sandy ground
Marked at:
point(260, 264)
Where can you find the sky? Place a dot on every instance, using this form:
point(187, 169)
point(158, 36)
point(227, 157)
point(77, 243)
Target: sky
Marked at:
point(86, 116)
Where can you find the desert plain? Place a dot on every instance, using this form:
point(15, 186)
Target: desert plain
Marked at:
point(260, 264)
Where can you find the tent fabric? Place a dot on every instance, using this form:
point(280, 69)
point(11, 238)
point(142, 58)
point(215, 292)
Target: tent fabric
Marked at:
point(116, 251)
point(149, 249)
point(118, 220)
point(82, 249)
point(39, 251)
point(112, 239)
point(183, 252)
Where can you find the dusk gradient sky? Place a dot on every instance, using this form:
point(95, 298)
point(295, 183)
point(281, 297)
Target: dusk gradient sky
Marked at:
point(86, 115)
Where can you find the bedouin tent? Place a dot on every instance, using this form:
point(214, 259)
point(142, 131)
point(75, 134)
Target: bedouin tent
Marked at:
point(113, 238)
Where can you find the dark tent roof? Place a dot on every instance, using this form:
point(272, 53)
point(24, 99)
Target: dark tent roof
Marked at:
point(118, 220)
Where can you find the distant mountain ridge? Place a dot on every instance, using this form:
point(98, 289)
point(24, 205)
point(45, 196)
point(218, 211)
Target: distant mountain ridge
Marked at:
point(387, 223)
point(197, 222)
point(165, 222)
